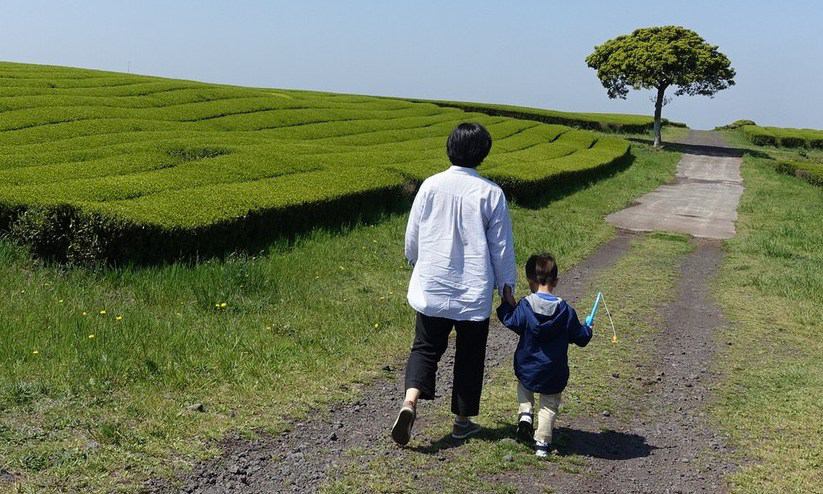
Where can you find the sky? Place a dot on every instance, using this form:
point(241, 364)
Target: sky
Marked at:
point(528, 53)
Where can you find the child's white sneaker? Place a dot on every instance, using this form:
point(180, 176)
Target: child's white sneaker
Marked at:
point(542, 449)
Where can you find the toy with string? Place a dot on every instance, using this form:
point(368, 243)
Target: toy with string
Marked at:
point(593, 314)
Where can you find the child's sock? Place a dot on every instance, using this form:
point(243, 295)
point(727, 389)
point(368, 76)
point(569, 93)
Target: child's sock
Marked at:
point(525, 417)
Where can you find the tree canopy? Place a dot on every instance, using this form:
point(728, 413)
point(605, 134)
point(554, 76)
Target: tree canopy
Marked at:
point(659, 58)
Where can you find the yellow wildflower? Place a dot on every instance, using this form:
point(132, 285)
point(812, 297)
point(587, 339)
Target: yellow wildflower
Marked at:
point(91, 336)
point(103, 312)
point(119, 318)
point(84, 313)
point(223, 305)
point(35, 352)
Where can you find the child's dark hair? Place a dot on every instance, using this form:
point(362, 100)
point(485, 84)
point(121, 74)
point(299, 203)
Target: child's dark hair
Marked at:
point(542, 268)
point(468, 145)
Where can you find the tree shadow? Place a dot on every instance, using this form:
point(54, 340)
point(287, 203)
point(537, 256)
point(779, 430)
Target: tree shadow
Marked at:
point(606, 444)
point(720, 151)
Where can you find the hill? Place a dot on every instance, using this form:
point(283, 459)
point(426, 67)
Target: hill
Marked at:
point(102, 165)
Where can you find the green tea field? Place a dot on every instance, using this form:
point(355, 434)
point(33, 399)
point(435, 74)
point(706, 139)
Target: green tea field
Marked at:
point(785, 137)
point(606, 122)
point(797, 152)
point(97, 165)
point(319, 247)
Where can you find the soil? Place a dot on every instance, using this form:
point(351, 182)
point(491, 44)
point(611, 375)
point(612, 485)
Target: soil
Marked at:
point(300, 459)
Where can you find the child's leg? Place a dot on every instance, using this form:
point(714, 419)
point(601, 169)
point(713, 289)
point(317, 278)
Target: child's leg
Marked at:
point(525, 398)
point(545, 418)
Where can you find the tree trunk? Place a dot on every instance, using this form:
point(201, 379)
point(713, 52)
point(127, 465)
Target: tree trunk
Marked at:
point(658, 111)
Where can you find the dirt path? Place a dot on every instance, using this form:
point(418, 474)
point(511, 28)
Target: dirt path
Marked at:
point(703, 200)
point(668, 447)
point(299, 460)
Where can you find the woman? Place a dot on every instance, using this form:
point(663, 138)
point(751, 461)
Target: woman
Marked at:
point(459, 240)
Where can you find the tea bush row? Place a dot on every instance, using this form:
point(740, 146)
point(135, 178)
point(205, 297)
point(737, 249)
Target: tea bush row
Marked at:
point(786, 137)
point(115, 167)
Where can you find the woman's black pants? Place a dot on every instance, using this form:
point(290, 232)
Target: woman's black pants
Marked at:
point(431, 339)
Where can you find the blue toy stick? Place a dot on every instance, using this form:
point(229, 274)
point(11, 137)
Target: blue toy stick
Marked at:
point(593, 313)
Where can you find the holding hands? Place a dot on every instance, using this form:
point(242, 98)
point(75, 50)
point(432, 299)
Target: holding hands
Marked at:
point(508, 296)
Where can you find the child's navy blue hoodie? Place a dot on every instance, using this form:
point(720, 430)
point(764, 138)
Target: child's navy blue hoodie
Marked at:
point(547, 325)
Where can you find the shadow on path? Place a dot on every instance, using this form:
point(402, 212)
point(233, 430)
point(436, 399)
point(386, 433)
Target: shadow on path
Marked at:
point(606, 444)
point(713, 150)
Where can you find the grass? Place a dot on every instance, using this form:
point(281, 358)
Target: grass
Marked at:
point(107, 165)
point(805, 164)
point(645, 280)
point(771, 289)
point(102, 414)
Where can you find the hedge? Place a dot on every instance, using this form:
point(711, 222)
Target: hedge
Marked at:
point(809, 171)
point(736, 125)
point(98, 166)
point(605, 122)
point(786, 137)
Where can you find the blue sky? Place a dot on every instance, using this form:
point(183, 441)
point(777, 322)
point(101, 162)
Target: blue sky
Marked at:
point(528, 52)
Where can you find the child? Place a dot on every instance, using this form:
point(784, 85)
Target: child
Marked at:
point(546, 325)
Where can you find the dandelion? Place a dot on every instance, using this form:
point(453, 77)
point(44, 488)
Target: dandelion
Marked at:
point(342, 268)
point(84, 313)
point(35, 352)
point(103, 312)
point(60, 301)
point(216, 306)
point(376, 325)
point(91, 336)
point(223, 305)
point(119, 318)
point(382, 298)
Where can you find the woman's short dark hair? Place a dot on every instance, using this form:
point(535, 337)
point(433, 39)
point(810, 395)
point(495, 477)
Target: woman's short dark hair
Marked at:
point(542, 268)
point(468, 145)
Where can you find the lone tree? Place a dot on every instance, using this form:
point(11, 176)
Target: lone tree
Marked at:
point(658, 58)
